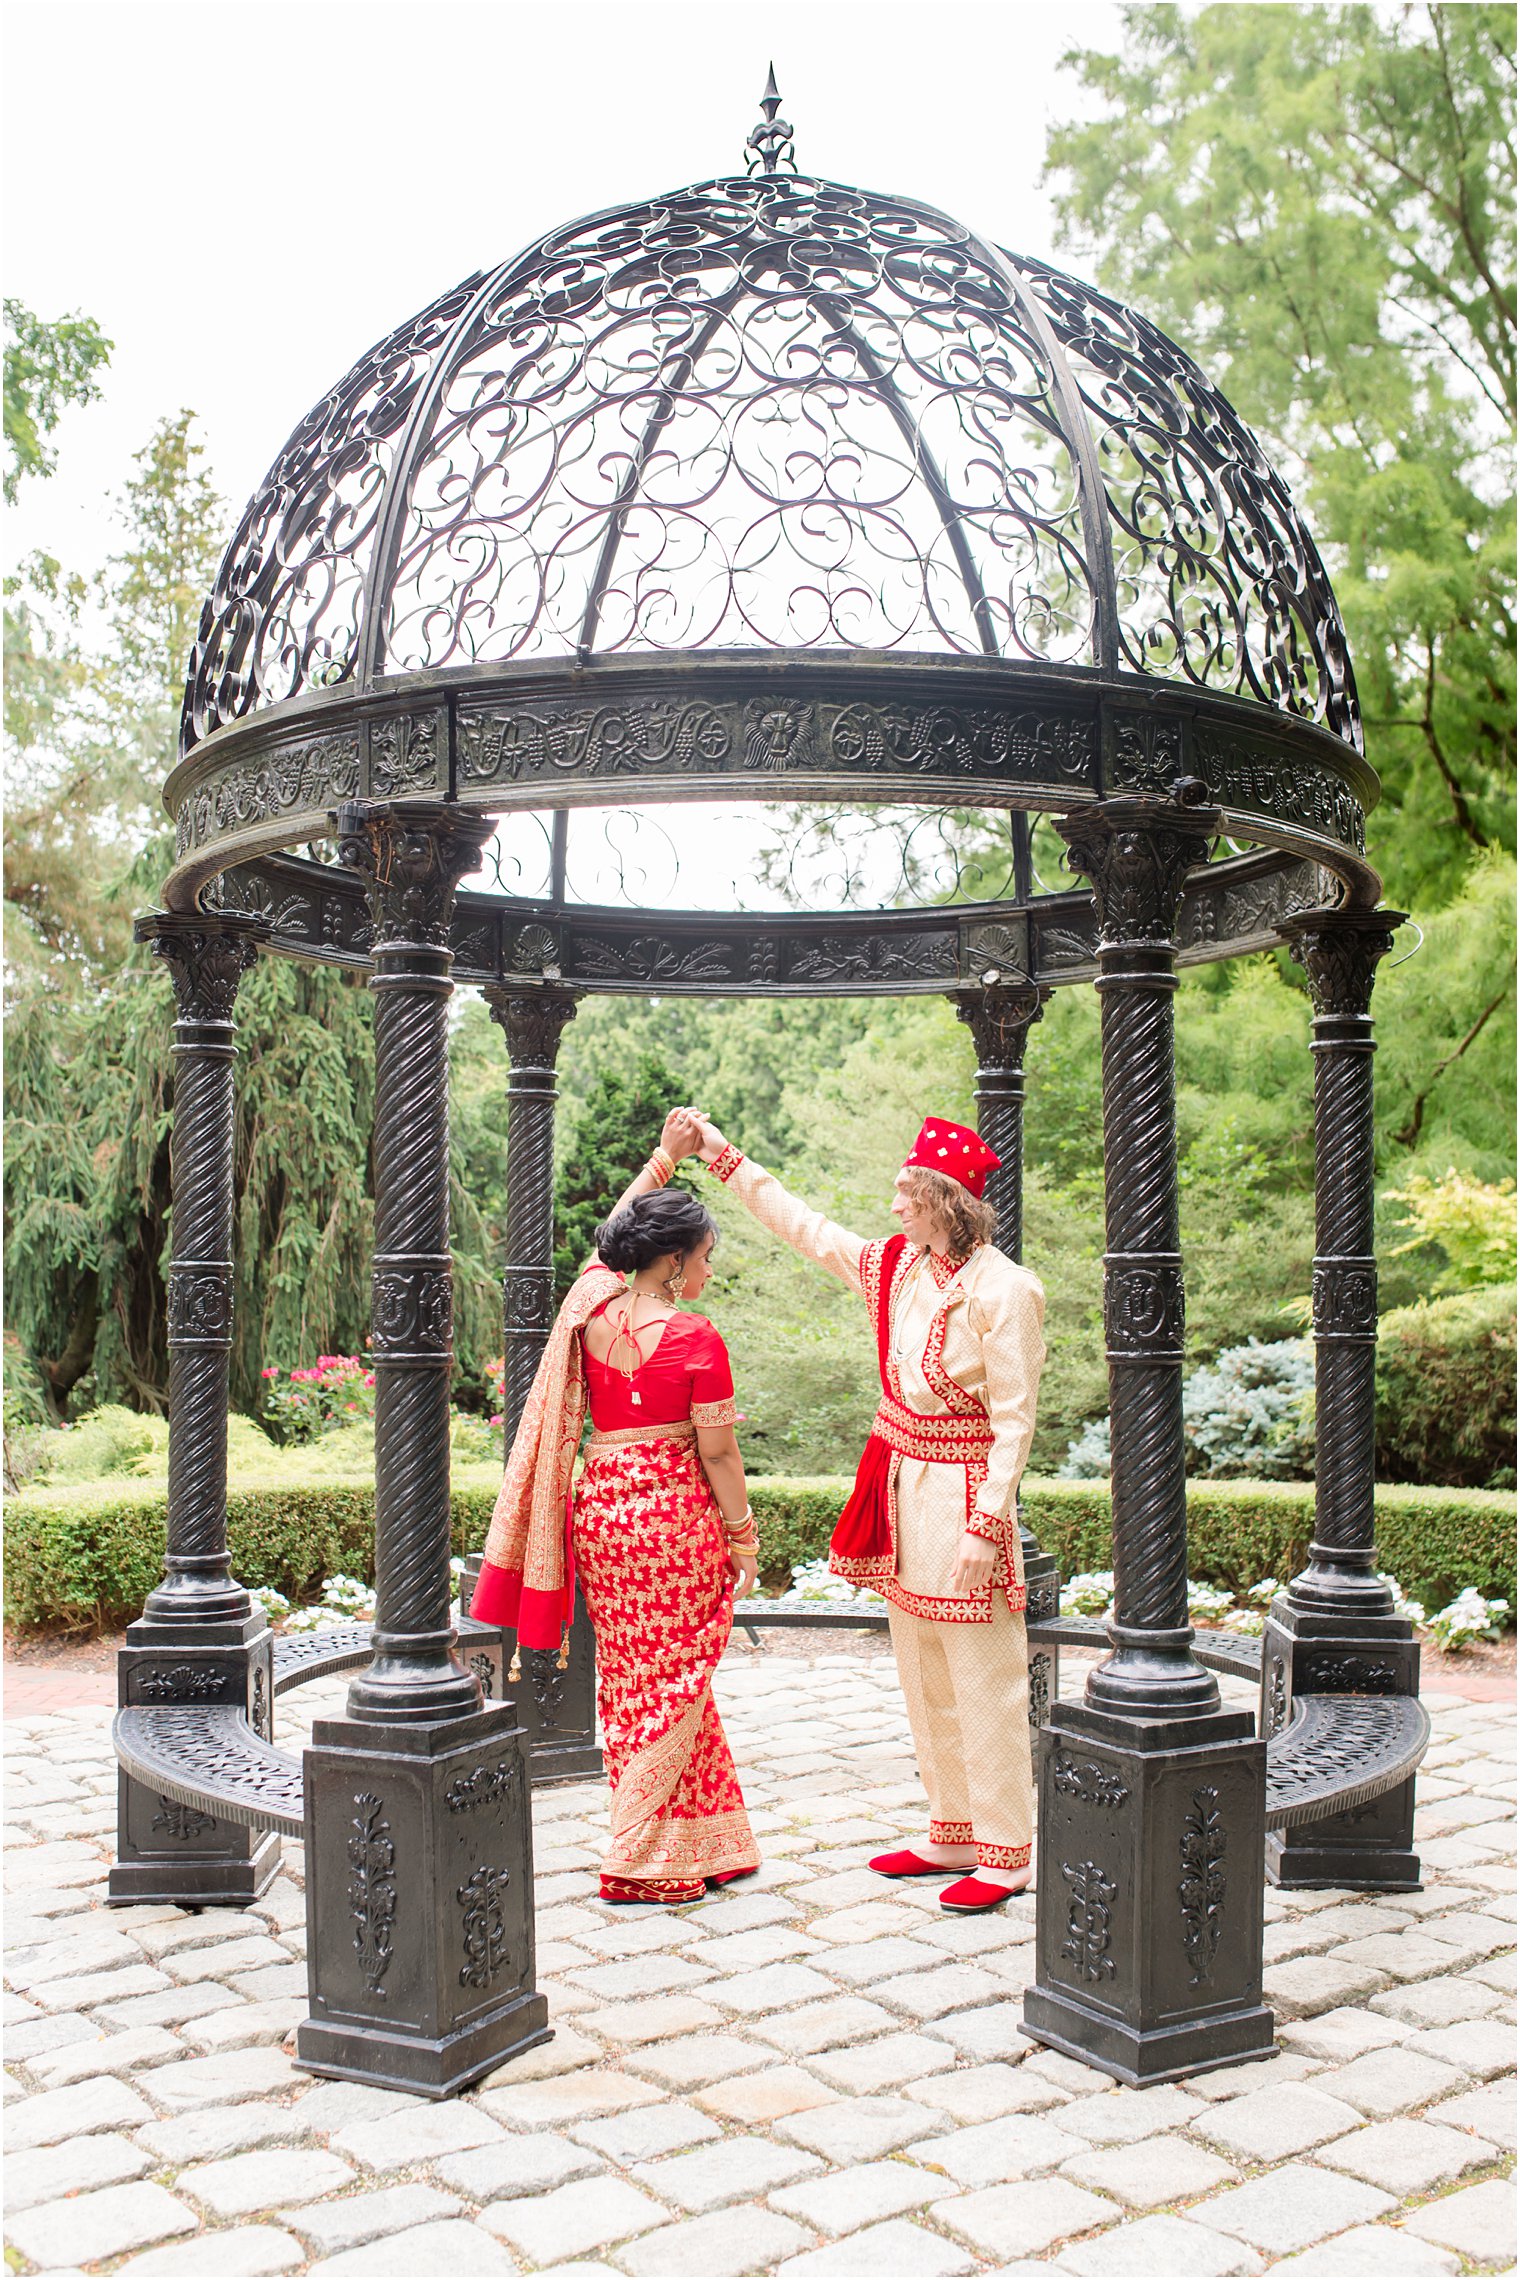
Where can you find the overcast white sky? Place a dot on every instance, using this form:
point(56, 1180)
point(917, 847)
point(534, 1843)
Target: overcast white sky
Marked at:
point(246, 193)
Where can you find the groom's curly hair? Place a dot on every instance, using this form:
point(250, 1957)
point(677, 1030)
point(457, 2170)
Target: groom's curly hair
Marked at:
point(965, 1219)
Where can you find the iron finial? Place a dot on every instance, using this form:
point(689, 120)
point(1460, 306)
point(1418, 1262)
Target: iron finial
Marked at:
point(770, 146)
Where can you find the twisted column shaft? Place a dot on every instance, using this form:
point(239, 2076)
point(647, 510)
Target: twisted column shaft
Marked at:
point(412, 855)
point(207, 956)
point(1339, 952)
point(532, 1024)
point(1138, 853)
point(1000, 1021)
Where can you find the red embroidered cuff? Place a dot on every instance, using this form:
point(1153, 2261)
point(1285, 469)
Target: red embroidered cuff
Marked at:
point(724, 1166)
point(983, 1524)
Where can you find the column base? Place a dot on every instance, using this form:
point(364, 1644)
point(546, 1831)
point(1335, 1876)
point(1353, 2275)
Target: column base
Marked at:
point(1148, 1924)
point(170, 1853)
point(1141, 2056)
point(197, 1881)
point(437, 2066)
point(419, 1894)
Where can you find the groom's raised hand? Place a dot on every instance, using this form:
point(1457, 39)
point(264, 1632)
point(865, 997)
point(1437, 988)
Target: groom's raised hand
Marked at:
point(682, 1135)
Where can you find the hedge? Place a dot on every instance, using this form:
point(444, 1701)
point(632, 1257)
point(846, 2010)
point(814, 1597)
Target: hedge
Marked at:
point(85, 1558)
point(1446, 1390)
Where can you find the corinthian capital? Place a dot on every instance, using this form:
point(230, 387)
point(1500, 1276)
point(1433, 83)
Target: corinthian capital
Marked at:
point(1339, 951)
point(207, 954)
point(1138, 853)
point(412, 855)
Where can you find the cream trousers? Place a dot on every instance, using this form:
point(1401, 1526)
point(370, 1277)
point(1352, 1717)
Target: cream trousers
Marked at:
point(967, 1691)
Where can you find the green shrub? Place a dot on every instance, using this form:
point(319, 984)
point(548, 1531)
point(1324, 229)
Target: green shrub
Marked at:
point(86, 1557)
point(1446, 1390)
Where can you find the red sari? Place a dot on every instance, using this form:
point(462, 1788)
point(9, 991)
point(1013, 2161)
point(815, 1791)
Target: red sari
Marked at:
point(652, 1556)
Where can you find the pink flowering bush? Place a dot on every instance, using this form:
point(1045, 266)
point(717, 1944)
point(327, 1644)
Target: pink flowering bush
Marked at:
point(302, 1405)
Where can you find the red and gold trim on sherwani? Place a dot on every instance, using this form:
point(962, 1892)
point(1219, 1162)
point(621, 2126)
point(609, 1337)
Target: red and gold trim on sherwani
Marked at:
point(951, 1833)
point(864, 1548)
point(1003, 1856)
point(725, 1164)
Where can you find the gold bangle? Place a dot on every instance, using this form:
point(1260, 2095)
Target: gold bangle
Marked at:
point(737, 1527)
point(662, 1165)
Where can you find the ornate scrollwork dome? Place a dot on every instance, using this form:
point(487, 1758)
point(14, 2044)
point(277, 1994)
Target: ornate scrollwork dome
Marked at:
point(772, 414)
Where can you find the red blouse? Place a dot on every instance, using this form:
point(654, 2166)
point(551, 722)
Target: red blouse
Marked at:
point(685, 1375)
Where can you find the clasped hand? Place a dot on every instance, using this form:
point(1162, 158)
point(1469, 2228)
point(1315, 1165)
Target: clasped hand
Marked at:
point(688, 1133)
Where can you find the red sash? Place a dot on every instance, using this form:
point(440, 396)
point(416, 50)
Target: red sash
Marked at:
point(861, 1547)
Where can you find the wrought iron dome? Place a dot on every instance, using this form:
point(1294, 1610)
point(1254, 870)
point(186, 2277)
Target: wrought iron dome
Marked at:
point(770, 488)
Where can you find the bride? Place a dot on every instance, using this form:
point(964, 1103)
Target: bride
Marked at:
point(660, 1532)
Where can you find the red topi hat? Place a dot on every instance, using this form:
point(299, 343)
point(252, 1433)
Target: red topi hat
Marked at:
point(955, 1150)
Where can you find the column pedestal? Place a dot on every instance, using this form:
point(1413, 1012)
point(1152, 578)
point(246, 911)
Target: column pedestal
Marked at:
point(1148, 1904)
point(419, 1900)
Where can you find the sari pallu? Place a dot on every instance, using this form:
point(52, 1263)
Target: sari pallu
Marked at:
point(653, 1561)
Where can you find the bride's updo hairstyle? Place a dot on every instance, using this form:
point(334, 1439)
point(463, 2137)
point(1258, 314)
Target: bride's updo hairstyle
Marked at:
point(651, 1227)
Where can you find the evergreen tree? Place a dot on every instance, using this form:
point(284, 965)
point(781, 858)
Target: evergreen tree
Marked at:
point(609, 1141)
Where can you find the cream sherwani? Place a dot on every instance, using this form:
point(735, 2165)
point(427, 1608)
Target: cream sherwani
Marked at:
point(961, 1657)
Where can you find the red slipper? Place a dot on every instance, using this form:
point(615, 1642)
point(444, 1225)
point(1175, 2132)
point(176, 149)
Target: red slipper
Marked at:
point(729, 1876)
point(971, 1896)
point(907, 1863)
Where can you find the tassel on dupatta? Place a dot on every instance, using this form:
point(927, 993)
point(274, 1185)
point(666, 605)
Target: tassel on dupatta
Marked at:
point(527, 1583)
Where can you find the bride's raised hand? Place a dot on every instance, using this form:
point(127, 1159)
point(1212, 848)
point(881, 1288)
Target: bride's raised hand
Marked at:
point(682, 1135)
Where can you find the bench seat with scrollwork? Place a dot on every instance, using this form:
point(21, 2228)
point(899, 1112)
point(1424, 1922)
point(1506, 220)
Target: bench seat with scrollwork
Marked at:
point(1337, 1752)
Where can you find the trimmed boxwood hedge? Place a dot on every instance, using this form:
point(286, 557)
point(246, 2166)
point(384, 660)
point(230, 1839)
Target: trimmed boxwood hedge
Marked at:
point(85, 1558)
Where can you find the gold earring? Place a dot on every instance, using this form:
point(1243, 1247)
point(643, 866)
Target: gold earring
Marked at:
point(676, 1285)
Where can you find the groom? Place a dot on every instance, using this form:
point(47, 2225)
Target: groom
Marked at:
point(932, 1522)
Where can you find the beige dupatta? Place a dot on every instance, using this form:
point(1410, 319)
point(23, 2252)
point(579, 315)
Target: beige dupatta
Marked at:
point(532, 1588)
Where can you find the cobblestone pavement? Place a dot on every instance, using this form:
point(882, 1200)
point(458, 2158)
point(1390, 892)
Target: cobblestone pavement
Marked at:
point(819, 2073)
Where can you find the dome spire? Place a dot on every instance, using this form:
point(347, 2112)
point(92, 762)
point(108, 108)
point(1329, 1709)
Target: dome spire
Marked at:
point(770, 146)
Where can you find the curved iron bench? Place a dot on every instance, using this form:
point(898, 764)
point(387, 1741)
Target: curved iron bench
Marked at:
point(1336, 1753)
point(302, 1655)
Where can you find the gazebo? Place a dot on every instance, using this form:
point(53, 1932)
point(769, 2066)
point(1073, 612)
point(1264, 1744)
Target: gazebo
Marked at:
point(766, 490)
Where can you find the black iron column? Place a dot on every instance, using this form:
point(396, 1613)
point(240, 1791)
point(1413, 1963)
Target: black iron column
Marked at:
point(556, 1701)
point(419, 1846)
point(1000, 1020)
point(199, 1639)
point(1152, 1796)
point(1335, 1631)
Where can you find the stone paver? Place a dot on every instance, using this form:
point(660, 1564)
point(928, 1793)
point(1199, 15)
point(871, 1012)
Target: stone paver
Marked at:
point(241, 2249)
point(1153, 2246)
point(251, 2181)
point(576, 2219)
point(740, 2241)
point(332, 2226)
point(1294, 2207)
point(450, 2249)
point(1478, 2223)
point(860, 2196)
point(896, 2250)
point(1270, 2124)
point(1371, 2252)
point(1409, 2157)
point(818, 2073)
point(1151, 2173)
point(1009, 2221)
point(89, 2226)
point(1386, 2082)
